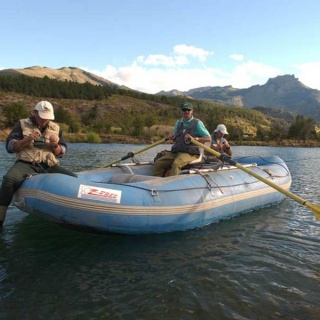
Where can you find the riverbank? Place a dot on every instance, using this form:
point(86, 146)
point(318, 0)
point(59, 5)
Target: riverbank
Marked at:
point(125, 139)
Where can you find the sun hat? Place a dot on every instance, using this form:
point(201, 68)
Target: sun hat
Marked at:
point(222, 128)
point(45, 110)
point(186, 105)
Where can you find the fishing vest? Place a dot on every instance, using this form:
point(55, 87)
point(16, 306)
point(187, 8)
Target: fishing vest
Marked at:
point(38, 151)
point(180, 145)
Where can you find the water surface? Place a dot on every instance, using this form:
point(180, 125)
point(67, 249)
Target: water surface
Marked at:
point(262, 265)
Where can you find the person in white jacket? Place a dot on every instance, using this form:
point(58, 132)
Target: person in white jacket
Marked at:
point(218, 142)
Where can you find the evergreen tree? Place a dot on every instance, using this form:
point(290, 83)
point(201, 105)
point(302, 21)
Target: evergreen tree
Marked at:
point(13, 112)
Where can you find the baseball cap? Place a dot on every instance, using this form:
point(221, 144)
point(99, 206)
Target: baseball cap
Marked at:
point(45, 110)
point(186, 105)
point(222, 128)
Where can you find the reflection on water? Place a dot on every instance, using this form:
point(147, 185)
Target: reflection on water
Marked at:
point(262, 265)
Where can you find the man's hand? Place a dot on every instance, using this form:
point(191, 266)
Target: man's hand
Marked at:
point(187, 138)
point(170, 137)
point(34, 135)
point(224, 157)
point(19, 145)
point(54, 140)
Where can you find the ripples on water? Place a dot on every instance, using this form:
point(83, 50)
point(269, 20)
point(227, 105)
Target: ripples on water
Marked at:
point(262, 265)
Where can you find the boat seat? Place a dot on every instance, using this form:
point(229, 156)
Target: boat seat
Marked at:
point(129, 178)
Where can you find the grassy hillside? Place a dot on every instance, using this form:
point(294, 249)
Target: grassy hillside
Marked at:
point(122, 111)
point(109, 113)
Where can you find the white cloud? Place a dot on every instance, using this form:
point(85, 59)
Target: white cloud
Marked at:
point(155, 79)
point(155, 73)
point(309, 74)
point(237, 57)
point(198, 53)
point(159, 59)
point(179, 58)
point(252, 73)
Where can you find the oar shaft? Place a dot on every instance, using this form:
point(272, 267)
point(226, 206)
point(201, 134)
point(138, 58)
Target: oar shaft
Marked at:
point(266, 181)
point(131, 154)
point(271, 184)
point(149, 147)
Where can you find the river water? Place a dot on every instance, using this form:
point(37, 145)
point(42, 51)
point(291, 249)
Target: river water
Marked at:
point(262, 265)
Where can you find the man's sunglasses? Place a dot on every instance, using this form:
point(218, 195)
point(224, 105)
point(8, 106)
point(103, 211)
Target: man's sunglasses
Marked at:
point(186, 110)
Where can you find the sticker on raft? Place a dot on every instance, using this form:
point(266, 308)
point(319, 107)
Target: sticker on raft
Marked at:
point(96, 193)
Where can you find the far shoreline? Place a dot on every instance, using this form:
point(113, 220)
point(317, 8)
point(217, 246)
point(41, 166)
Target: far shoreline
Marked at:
point(124, 139)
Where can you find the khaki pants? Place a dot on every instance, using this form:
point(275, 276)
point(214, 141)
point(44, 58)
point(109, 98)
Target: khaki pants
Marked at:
point(177, 160)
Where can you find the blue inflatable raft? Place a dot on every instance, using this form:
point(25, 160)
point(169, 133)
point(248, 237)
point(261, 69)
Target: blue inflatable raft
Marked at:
point(125, 198)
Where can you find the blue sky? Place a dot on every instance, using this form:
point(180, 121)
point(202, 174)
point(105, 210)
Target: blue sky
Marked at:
point(151, 45)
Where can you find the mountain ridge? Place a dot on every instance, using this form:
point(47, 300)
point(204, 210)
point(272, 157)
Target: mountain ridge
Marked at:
point(283, 92)
point(62, 74)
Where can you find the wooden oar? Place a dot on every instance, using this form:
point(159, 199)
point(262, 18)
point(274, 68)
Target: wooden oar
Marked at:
point(315, 208)
point(132, 154)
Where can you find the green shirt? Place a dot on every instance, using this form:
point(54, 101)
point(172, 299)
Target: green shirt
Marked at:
point(200, 129)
